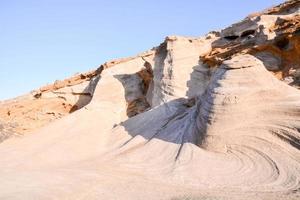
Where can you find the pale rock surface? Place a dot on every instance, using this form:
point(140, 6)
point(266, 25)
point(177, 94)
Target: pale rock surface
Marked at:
point(194, 118)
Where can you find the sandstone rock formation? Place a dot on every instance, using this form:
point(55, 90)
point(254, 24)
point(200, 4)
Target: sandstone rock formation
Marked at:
point(214, 117)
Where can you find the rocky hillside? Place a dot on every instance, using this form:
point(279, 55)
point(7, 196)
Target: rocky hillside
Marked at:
point(212, 117)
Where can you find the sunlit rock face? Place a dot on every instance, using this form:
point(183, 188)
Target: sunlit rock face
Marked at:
point(213, 117)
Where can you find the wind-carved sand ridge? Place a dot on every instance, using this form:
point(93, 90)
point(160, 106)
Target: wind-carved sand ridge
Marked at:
point(214, 117)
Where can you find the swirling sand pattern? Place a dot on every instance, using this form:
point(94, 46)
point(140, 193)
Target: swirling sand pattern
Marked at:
point(242, 134)
point(235, 138)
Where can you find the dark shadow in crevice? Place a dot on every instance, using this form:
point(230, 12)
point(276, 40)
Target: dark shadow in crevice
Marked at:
point(140, 96)
point(167, 122)
point(198, 81)
point(177, 121)
point(158, 70)
point(231, 37)
point(134, 90)
point(85, 97)
point(248, 33)
point(282, 43)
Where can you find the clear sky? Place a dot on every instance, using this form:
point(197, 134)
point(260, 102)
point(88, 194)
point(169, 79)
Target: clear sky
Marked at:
point(45, 40)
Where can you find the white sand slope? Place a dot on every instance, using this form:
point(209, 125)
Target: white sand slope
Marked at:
point(241, 136)
point(229, 131)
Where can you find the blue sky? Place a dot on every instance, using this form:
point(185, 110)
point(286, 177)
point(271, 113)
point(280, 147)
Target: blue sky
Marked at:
point(45, 40)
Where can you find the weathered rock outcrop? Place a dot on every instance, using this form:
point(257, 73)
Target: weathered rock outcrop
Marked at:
point(272, 36)
point(215, 117)
point(48, 103)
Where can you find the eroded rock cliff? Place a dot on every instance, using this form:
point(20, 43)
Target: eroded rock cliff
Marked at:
point(215, 117)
